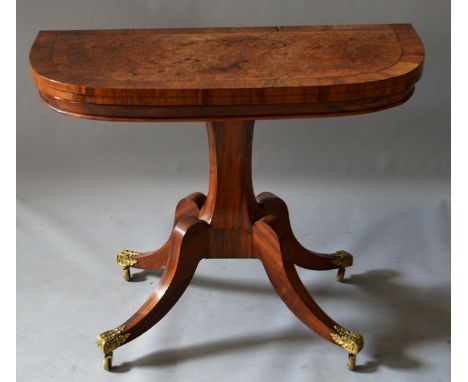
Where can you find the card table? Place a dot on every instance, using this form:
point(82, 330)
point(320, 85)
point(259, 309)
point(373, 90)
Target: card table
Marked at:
point(228, 78)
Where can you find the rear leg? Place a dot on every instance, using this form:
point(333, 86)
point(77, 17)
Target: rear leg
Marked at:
point(304, 258)
point(188, 206)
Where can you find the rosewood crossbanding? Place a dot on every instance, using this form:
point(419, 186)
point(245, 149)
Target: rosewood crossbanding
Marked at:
point(228, 77)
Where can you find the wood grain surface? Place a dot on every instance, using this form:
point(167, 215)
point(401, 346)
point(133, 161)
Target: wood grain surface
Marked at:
point(220, 73)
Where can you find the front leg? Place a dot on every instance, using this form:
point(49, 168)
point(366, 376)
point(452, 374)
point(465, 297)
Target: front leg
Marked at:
point(188, 206)
point(305, 258)
point(269, 235)
point(189, 244)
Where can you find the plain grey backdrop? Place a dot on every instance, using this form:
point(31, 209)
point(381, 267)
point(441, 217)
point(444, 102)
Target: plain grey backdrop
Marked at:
point(376, 185)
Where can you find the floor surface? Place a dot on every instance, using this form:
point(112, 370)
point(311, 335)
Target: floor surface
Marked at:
point(230, 325)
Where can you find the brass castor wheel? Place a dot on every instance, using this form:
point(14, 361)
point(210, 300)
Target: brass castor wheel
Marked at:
point(351, 362)
point(107, 362)
point(126, 274)
point(340, 274)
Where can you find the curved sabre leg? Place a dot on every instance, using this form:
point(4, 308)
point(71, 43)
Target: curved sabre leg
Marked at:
point(268, 244)
point(188, 206)
point(189, 244)
point(304, 258)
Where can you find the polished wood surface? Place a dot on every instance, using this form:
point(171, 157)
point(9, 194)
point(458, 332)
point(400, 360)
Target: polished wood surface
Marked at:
point(228, 77)
point(230, 206)
point(219, 73)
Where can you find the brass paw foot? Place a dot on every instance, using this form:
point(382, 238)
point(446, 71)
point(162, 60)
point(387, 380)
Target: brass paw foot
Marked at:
point(127, 258)
point(350, 341)
point(110, 340)
point(343, 260)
